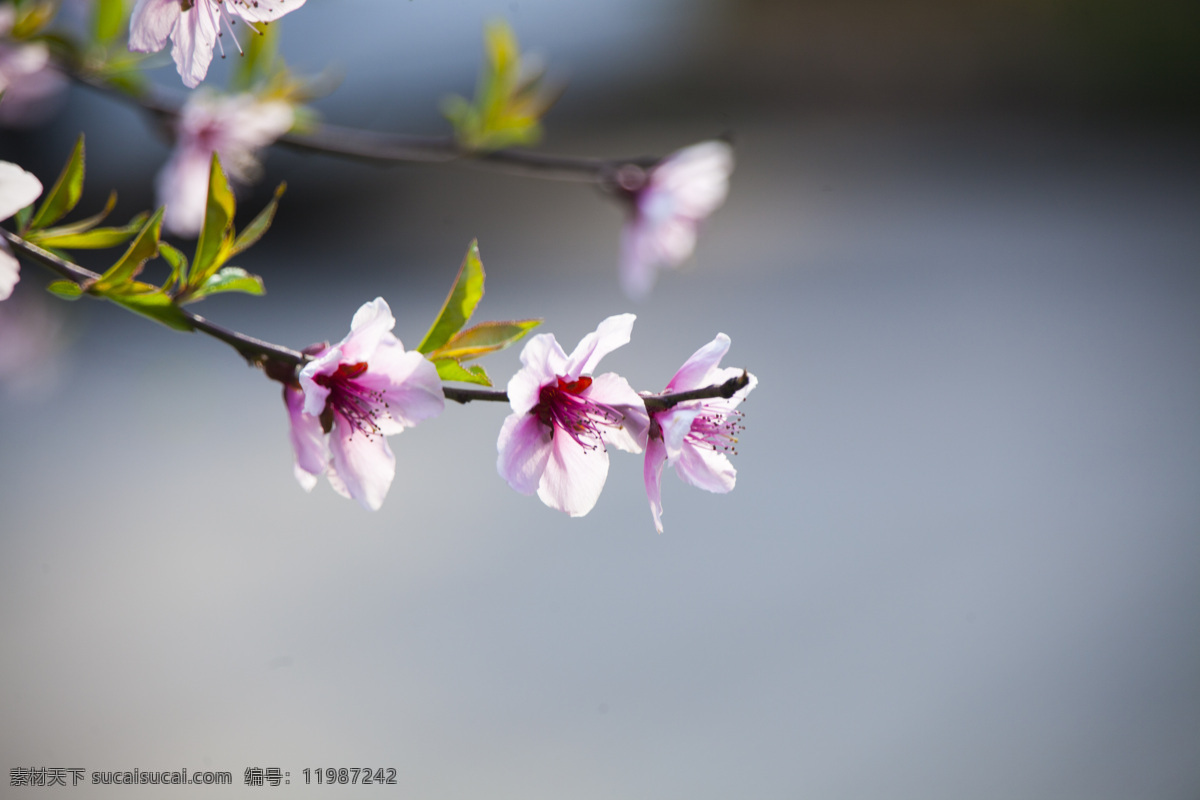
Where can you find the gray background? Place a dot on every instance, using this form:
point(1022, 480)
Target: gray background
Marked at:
point(962, 558)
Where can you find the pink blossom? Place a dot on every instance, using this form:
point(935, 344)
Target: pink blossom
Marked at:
point(669, 203)
point(194, 26)
point(29, 82)
point(554, 441)
point(234, 127)
point(17, 189)
point(694, 436)
point(352, 395)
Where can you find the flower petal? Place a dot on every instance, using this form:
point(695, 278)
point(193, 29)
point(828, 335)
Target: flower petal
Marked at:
point(151, 23)
point(193, 40)
point(10, 272)
point(308, 440)
point(656, 457)
point(696, 178)
point(262, 10)
point(363, 464)
point(694, 373)
point(371, 322)
point(613, 390)
point(316, 395)
point(608, 336)
point(523, 449)
point(543, 359)
point(676, 424)
point(182, 187)
point(18, 189)
point(408, 384)
point(574, 476)
point(705, 468)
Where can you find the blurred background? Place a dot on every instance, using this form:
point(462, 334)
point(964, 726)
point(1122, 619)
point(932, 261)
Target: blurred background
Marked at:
point(963, 557)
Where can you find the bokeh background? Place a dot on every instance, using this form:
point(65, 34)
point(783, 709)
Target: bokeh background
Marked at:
point(963, 556)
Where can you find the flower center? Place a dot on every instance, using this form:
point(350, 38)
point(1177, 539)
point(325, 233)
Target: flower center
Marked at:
point(716, 429)
point(562, 406)
point(355, 403)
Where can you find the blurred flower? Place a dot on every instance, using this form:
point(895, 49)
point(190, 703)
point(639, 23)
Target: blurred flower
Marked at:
point(694, 436)
point(235, 127)
point(29, 83)
point(669, 203)
point(17, 189)
point(554, 441)
point(194, 27)
point(350, 397)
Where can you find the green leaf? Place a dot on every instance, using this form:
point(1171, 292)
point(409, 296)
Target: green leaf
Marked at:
point(450, 370)
point(108, 18)
point(143, 248)
point(259, 225)
point(484, 338)
point(67, 290)
point(97, 239)
point(25, 213)
point(65, 193)
point(179, 265)
point(258, 56)
point(83, 224)
point(152, 302)
point(232, 279)
point(217, 233)
point(460, 303)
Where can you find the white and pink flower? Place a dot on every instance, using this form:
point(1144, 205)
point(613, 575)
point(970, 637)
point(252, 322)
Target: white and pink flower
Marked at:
point(694, 436)
point(351, 396)
point(30, 84)
point(235, 127)
point(194, 26)
point(554, 442)
point(669, 204)
point(18, 189)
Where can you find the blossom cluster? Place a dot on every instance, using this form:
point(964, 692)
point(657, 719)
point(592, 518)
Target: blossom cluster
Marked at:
point(352, 395)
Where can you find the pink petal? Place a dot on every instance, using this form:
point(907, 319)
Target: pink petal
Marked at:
point(316, 395)
point(705, 468)
point(182, 187)
point(639, 266)
point(574, 476)
point(696, 178)
point(524, 448)
point(18, 189)
point(543, 359)
point(694, 373)
point(656, 457)
point(408, 383)
point(371, 323)
point(308, 440)
point(10, 272)
point(193, 41)
point(364, 465)
point(263, 10)
point(613, 390)
point(151, 23)
point(611, 334)
point(676, 424)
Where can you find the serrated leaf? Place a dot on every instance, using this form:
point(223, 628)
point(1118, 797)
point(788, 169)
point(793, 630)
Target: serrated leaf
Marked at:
point(259, 225)
point(484, 338)
point(231, 279)
point(67, 290)
point(217, 233)
point(450, 370)
point(65, 193)
point(464, 295)
point(179, 265)
point(97, 239)
point(150, 301)
point(143, 248)
point(82, 225)
point(108, 18)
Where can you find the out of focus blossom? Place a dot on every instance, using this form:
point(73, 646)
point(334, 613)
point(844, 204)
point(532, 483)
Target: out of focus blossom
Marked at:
point(235, 127)
point(669, 203)
point(194, 26)
point(554, 441)
point(29, 82)
point(352, 395)
point(18, 189)
point(694, 436)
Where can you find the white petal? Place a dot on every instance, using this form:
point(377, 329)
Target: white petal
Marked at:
point(696, 178)
point(316, 395)
point(308, 440)
point(574, 476)
point(193, 41)
point(408, 383)
point(656, 457)
point(371, 322)
point(543, 359)
point(10, 272)
point(18, 189)
point(706, 469)
point(611, 334)
point(524, 449)
point(694, 373)
point(676, 424)
point(151, 23)
point(365, 466)
point(262, 10)
point(182, 186)
point(613, 390)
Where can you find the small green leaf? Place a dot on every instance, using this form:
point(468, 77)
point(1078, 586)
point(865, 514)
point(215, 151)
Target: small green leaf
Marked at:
point(65, 193)
point(82, 225)
point(108, 18)
point(484, 338)
point(67, 290)
point(143, 248)
point(25, 213)
point(150, 301)
point(217, 233)
point(259, 225)
point(460, 303)
point(179, 265)
point(450, 370)
point(97, 239)
point(232, 279)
